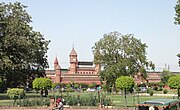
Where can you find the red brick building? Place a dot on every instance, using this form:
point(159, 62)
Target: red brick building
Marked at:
point(78, 71)
point(87, 72)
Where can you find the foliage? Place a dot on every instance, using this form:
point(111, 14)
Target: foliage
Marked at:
point(69, 89)
point(125, 83)
point(92, 85)
point(151, 92)
point(153, 84)
point(87, 100)
point(165, 91)
point(83, 85)
point(174, 83)
point(179, 59)
point(14, 93)
point(42, 84)
point(2, 85)
point(177, 9)
point(165, 76)
point(34, 102)
point(23, 51)
point(120, 55)
point(76, 86)
point(148, 90)
point(155, 88)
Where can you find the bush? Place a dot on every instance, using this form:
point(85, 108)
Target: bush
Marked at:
point(165, 91)
point(160, 89)
point(148, 90)
point(34, 102)
point(155, 88)
point(84, 89)
point(89, 100)
point(16, 93)
point(151, 92)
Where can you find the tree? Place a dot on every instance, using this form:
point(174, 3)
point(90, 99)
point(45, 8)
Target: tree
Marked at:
point(120, 55)
point(22, 50)
point(174, 83)
point(125, 83)
point(165, 76)
point(42, 84)
point(177, 9)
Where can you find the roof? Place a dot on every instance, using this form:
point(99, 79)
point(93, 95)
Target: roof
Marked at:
point(73, 52)
point(159, 102)
point(85, 63)
point(56, 61)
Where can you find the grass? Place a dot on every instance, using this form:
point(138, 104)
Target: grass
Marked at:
point(118, 99)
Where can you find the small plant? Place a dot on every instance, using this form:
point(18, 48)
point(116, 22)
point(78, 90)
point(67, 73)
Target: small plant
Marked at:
point(155, 88)
point(165, 91)
point(148, 90)
point(151, 92)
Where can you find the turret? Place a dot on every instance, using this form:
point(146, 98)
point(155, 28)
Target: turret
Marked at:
point(57, 74)
point(55, 63)
point(73, 61)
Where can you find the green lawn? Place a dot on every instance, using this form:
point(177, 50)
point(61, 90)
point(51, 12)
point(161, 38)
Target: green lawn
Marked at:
point(118, 100)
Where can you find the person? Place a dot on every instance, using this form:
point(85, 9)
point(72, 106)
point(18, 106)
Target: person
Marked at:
point(59, 104)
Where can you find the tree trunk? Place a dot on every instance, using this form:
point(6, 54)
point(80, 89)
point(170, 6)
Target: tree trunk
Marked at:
point(125, 98)
point(42, 92)
point(178, 93)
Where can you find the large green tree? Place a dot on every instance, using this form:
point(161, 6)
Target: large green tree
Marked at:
point(120, 55)
point(125, 83)
point(177, 9)
point(174, 83)
point(22, 50)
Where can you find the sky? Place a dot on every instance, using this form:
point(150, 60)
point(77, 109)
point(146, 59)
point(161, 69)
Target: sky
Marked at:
point(81, 23)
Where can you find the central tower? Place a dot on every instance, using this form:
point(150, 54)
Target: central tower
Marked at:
point(73, 61)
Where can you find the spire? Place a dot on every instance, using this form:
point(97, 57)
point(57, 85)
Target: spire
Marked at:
point(73, 52)
point(56, 61)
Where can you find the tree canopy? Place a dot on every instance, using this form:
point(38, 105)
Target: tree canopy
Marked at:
point(177, 15)
point(174, 83)
point(120, 55)
point(42, 84)
point(22, 50)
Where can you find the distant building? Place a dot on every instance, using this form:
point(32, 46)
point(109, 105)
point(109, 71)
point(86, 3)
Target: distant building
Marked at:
point(88, 72)
point(78, 72)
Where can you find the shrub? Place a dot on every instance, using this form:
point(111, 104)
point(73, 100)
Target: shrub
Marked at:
point(89, 100)
point(16, 93)
point(160, 89)
point(148, 90)
point(155, 88)
point(34, 102)
point(151, 92)
point(84, 89)
point(165, 91)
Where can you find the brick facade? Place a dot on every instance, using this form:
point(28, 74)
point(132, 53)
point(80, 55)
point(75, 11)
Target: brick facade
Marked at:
point(87, 72)
point(78, 72)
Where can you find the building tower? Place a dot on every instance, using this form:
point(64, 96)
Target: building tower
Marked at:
point(73, 61)
point(57, 74)
point(55, 63)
